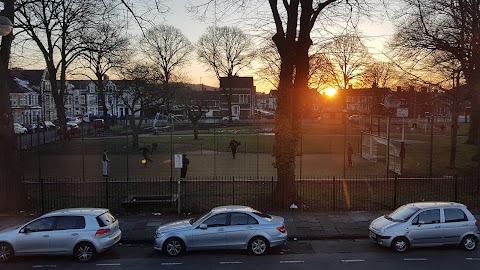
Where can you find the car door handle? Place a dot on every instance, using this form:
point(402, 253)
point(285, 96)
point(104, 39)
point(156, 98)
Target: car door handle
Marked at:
point(45, 236)
point(74, 234)
point(221, 230)
point(249, 227)
point(437, 226)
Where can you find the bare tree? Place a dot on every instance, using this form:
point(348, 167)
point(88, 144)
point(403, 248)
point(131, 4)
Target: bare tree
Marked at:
point(318, 77)
point(13, 197)
point(294, 21)
point(379, 74)
point(138, 94)
point(56, 28)
point(226, 50)
point(348, 58)
point(446, 26)
point(106, 49)
point(196, 104)
point(169, 51)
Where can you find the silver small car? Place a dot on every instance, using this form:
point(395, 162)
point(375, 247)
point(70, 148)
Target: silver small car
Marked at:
point(224, 227)
point(426, 224)
point(82, 232)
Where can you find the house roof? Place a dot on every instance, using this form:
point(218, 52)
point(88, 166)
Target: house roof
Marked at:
point(34, 77)
point(236, 82)
point(19, 84)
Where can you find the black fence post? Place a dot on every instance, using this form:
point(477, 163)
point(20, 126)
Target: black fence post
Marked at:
point(334, 194)
point(233, 190)
point(456, 187)
point(271, 197)
point(395, 192)
point(106, 192)
point(42, 195)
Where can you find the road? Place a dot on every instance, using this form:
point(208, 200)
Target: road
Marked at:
point(324, 254)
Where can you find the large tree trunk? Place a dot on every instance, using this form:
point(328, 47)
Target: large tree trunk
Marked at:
point(12, 193)
point(195, 130)
point(284, 146)
point(101, 101)
point(135, 132)
point(59, 102)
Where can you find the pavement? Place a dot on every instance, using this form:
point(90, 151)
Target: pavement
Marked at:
point(300, 225)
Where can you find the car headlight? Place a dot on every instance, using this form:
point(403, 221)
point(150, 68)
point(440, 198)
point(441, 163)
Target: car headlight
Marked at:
point(159, 234)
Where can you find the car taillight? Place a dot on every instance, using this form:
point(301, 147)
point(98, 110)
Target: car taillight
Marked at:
point(102, 232)
point(477, 223)
point(281, 229)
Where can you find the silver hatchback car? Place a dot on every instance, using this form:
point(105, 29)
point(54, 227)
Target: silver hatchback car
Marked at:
point(82, 232)
point(224, 227)
point(426, 224)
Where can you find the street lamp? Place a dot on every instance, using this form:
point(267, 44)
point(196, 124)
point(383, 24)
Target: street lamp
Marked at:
point(6, 26)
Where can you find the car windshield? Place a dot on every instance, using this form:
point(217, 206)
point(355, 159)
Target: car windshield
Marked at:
point(402, 213)
point(196, 221)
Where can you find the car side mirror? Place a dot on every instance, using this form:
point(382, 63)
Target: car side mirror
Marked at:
point(421, 222)
point(203, 226)
point(26, 230)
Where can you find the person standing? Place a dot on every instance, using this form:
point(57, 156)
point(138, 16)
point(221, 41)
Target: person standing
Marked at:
point(105, 161)
point(233, 145)
point(145, 152)
point(183, 170)
point(349, 155)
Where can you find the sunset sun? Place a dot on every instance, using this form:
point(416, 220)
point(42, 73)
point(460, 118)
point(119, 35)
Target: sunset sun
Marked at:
point(330, 91)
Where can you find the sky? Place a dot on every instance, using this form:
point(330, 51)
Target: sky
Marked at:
point(376, 31)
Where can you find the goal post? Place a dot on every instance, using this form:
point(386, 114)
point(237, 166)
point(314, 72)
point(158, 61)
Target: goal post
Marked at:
point(374, 149)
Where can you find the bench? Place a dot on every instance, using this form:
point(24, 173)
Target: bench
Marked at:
point(150, 201)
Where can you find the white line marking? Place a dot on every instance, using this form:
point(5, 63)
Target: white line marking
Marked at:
point(472, 259)
point(108, 264)
point(415, 259)
point(231, 262)
point(173, 263)
point(349, 261)
point(43, 266)
point(292, 261)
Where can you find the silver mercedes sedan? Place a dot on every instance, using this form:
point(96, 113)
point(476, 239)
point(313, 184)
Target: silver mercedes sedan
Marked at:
point(426, 224)
point(224, 227)
point(82, 232)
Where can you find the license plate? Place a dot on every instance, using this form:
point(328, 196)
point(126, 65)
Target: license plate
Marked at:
point(373, 235)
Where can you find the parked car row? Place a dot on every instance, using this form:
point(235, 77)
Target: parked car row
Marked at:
point(32, 128)
point(85, 232)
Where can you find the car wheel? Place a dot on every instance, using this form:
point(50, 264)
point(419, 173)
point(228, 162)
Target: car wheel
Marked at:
point(258, 246)
point(84, 252)
point(400, 244)
point(6, 252)
point(173, 247)
point(469, 243)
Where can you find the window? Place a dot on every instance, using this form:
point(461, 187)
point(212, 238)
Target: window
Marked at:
point(242, 219)
point(455, 215)
point(427, 217)
point(105, 219)
point(217, 220)
point(70, 223)
point(41, 225)
point(243, 99)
